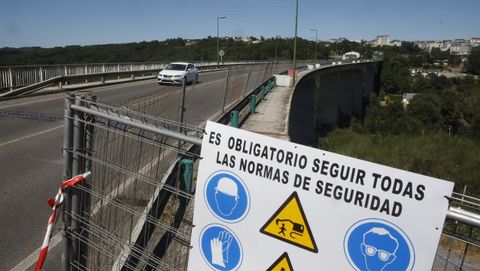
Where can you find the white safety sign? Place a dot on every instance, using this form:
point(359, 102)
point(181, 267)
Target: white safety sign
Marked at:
point(266, 204)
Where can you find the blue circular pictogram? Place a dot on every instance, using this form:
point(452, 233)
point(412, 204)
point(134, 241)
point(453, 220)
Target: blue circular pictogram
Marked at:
point(227, 196)
point(220, 248)
point(378, 245)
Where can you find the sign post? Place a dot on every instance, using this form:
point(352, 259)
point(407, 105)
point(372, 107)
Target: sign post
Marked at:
point(268, 204)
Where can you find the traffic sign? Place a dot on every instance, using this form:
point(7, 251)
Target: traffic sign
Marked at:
point(260, 197)
point(221, 52)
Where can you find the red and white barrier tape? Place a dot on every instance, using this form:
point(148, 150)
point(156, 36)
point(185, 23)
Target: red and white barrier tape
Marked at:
point(55, 203)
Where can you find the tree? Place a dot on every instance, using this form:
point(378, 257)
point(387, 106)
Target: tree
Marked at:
point(426, 108)
point(395, 74)
point(473, 64)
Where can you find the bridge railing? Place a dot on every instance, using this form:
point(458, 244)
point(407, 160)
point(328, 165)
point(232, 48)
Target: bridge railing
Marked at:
point(81, 74)
point(12, 77)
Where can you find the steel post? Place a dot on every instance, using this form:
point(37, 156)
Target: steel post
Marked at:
point(182, 110)
point(246, 82)
point(294, 68)
point(78, 167)
point(262, 93)
point(253, 103)
point(67, 174)
point(187, 174)
point(182, 104)
point(258, 75)
point(225, 91)
point(234, 119)
point(85, 199)
point(10, 78)
point(138, 124)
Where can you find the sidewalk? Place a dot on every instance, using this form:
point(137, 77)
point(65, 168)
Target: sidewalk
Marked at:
point(271, 117)
point(272, 114)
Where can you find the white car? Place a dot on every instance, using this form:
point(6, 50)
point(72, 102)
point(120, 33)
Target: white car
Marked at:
point(174, 73)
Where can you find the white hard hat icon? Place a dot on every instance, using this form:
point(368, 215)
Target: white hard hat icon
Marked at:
point(227, 186)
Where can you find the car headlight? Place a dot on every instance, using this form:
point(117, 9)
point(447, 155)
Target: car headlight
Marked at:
point(178, 76)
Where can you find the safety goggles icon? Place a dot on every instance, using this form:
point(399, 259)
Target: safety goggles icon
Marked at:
point(381, 254)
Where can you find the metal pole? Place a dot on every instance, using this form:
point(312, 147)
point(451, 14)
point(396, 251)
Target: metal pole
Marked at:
point(276, 46)
point(10, 77)
point(86, 197)
point(295, 47)
point(234, 119)
point(137, 123)
point(253, 103)
point(225, 91)
point(246, 82)
point(187, 174)
point(67, 174)
point(218, 42)
point(258, 75)
point(77, 168)
point(315, 55)
point(182, 105)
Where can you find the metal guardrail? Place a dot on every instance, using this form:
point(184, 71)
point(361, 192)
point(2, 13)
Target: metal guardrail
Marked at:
point(12, 77)
point(62, 79)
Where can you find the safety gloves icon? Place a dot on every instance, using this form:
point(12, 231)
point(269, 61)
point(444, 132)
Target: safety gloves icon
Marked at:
point(219, 247)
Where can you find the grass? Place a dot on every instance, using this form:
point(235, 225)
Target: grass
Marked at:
point(451, 158)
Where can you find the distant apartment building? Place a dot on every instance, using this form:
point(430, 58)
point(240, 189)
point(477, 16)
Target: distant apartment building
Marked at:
point(397, 43)
point(382, 40)
point(429, 45)
point(461, 48)
point(456, 46)
point(475, 42)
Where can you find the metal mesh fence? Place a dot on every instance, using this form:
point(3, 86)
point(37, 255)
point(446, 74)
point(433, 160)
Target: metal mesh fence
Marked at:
point(459, 247)
point(134, 212)
point(130, 169)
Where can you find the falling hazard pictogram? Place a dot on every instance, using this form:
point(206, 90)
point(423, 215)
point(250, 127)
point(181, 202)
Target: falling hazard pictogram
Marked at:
point(290, 224)
point(281, 264)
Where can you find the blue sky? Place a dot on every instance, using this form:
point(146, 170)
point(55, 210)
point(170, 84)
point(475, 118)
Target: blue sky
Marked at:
point(49, 23)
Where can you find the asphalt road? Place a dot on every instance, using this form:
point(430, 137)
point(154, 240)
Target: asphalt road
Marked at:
point(31, 156)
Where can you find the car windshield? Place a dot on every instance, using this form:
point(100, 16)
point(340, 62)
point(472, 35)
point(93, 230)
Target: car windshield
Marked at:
point(176, 67)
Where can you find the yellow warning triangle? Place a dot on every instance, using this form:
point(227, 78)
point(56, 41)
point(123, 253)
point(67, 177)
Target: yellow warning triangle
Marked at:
point(290, 224)
point(281, 264)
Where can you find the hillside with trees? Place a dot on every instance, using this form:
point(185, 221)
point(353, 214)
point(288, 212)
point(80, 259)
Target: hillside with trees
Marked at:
point(437, 133)
point(165, 51)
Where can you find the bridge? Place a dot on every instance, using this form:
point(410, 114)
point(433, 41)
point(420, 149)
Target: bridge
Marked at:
point(146, 178)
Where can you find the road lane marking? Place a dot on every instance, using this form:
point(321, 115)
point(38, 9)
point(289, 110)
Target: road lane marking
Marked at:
point(62, 97)
point(32, 258)
point(29, 136)
point(143, 82)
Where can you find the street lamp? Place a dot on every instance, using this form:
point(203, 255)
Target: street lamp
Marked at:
point(295, 47)
point(315, 56)
point(218, 49)
point(276, 46)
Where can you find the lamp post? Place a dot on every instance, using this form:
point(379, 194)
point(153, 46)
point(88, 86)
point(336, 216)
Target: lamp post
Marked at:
point(218, 46)
point(315, 55)
point(276, 47)
point(295, 47)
